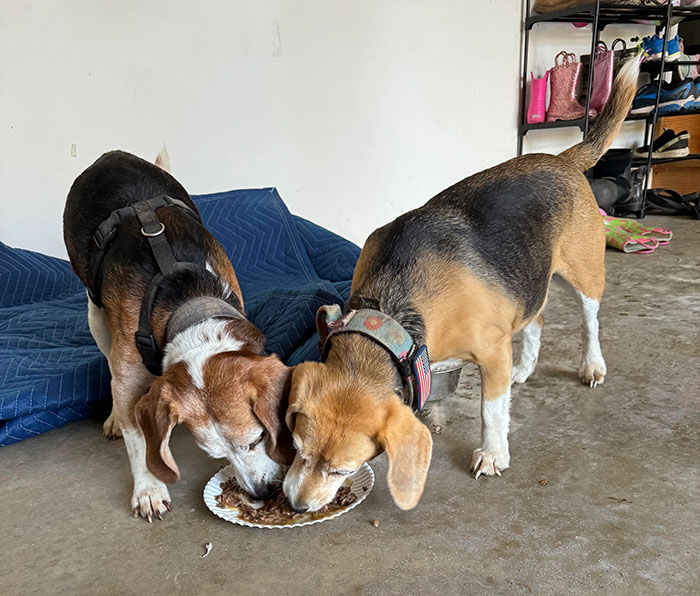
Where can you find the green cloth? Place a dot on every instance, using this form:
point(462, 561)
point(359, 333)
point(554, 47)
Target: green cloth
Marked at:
point(630, 236)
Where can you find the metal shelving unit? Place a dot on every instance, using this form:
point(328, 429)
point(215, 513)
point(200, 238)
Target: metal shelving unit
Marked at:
point(600, 15)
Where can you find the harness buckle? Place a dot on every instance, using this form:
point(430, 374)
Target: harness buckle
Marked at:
point(153, 234)
point(146, 341)
point(102, 239)
point(150, 352)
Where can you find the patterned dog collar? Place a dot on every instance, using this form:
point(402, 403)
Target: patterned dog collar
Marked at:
point(411, 360)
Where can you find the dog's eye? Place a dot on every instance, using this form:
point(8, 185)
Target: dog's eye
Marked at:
point(341, 472)
point(257, 442)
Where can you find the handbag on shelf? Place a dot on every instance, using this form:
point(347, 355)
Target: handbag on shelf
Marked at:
point(620, 55)
point(624, 52)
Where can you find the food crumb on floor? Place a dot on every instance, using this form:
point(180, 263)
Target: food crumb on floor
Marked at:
point(619, 500)
point(375, 523)
point(542, 482)
point(436, 429)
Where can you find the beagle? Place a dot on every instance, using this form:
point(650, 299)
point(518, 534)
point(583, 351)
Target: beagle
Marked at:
point(199, 360)
point(460, 274)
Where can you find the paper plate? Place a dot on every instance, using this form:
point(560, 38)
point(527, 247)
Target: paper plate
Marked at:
point(362, 482)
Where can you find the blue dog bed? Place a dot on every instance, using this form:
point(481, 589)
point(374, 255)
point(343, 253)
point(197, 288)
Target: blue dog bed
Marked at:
point(51, 371)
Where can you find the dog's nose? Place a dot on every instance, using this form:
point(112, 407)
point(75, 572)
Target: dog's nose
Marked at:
point(262, 492)
point(297, 508)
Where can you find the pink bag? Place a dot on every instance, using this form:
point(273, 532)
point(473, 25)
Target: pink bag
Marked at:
point(603, 63)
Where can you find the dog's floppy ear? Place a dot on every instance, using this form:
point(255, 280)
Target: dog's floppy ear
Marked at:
point(408, 446)
point(302, 378)
point(157, 413)
point(270, 404)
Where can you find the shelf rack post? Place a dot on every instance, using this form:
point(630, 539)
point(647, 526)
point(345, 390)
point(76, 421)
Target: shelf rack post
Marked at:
point(523, 92)
point(594, 43)
point(655, 114)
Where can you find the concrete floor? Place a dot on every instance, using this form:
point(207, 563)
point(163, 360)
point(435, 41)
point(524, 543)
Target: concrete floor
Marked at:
point(619, 514)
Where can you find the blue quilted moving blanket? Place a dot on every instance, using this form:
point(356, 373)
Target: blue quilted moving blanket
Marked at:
point(51, 371)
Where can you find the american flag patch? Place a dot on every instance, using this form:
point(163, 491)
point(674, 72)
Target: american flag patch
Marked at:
point(421, 368)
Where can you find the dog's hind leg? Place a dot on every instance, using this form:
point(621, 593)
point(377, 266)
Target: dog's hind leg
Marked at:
point(97, 321)
point(496, 368)
point(592, 369)
point(585, 280)
point(530, 350)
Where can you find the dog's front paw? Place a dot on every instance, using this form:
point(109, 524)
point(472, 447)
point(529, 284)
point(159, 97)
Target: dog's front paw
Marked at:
point(489, 462)
point(592, 372)
point(150, 498)
point(110, 429)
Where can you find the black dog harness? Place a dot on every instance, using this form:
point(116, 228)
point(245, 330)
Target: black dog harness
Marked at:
point(192, 312)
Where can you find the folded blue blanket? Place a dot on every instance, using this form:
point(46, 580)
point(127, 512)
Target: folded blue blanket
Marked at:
point(51, 371)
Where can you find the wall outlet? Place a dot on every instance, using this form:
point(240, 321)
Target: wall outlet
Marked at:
point(74, 150)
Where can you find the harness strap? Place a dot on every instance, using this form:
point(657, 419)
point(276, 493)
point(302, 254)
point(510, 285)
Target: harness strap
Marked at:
point(154, 231)
point(151, 354)
point(107, 231)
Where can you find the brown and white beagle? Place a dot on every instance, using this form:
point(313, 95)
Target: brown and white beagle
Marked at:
point(461, 274)
point(214, 377)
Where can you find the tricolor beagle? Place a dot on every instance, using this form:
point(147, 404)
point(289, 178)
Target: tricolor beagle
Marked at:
point(163, 298)
point(460, 274)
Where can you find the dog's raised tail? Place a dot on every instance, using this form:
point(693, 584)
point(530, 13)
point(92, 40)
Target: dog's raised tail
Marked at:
point(163, 159)
point(605, 129)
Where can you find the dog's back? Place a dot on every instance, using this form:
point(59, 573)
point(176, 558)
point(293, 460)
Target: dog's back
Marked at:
point(115, 180)
point(501, 223)
point(118, 179)
point(506, 224)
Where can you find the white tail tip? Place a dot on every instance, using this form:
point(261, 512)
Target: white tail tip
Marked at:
point(630, 68)
point(163, 159)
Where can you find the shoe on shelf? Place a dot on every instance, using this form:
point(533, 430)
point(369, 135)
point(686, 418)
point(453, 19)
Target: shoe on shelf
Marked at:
point(695, 105)
point(677, 96)
point(669, 145)
point(654, 44)
point(674, 97)
point(545, 6)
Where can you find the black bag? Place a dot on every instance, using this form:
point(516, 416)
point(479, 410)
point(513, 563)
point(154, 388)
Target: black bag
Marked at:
point(615, 167)
point(622, 54)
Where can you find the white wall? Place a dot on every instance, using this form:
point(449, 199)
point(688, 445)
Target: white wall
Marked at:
point(356, 111)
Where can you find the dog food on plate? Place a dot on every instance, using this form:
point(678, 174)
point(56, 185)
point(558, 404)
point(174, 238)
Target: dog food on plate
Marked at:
point(276, 511)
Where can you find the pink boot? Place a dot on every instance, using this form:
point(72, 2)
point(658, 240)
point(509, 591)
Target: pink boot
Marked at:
point(538, 96)
point(603, 63)
point(563, 104)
